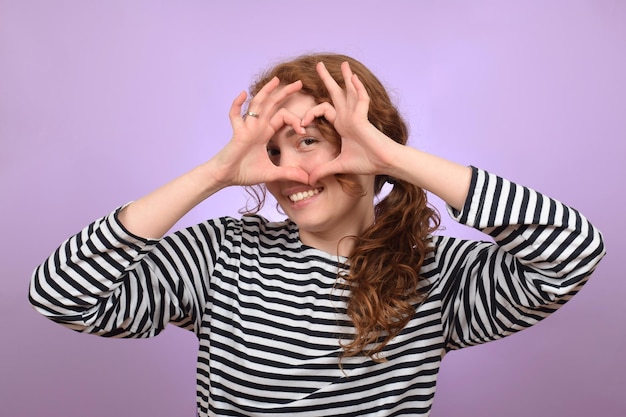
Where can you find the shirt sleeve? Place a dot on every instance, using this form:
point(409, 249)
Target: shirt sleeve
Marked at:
point(544, 251)
point(108, 282)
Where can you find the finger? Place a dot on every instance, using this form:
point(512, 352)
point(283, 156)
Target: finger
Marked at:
point(265, 103)
point(362, 95)
point(234, 114)
point(357, 96)
point(256, 104)
point(324, 170)
point(347, 74)
point(281, 94)
point(336, 92)
point(284, 117)
point(288, 90)
point(325, 110)
point(266, 89)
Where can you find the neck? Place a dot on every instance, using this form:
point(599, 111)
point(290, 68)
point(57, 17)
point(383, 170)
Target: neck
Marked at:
point(336, 242)
point(335, 246)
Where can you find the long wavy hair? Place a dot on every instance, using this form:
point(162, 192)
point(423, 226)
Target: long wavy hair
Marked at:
point(384, 266)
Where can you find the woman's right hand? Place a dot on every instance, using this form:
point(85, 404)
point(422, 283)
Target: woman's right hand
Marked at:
point(244, 160)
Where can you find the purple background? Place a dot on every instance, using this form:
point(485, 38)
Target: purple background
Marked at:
point(101, 102)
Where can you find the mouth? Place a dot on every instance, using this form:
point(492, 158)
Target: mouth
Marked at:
point(303, 195)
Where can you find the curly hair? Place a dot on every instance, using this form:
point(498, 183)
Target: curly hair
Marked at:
point(385, 263)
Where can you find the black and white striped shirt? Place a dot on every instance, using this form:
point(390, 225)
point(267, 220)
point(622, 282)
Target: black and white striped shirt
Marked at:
point(270, 318)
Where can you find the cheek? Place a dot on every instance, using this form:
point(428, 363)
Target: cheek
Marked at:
point(329, 152)
point(314, 158)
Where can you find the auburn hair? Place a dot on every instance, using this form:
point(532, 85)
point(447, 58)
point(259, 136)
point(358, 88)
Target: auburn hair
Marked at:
point(384, 266)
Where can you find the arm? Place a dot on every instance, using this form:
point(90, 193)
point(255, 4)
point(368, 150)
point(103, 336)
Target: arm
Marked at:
point(243, 161)
point(544, 252)
point(108, 282)
point(446, 179)
point(117, 277)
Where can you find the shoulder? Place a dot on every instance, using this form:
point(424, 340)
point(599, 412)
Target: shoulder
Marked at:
point(450, 254)
point(254, 224)
point(256, 230)
point(448, 248)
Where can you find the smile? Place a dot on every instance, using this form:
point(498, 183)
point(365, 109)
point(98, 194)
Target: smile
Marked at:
point(303, 195)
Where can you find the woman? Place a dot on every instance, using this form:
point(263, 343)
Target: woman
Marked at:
point(346, 307)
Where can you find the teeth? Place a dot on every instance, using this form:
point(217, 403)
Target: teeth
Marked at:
point(304, 194)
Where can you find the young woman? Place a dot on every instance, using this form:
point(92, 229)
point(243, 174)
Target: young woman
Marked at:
point(348, 306)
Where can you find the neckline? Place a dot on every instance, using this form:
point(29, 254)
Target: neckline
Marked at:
point(311, 249)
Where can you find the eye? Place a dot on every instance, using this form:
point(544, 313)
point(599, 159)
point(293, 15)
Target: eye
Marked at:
point(273, 152)
point(274, 155)
point(308, 141)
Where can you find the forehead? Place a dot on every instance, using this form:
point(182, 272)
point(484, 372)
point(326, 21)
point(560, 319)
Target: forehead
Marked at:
point(298, 104)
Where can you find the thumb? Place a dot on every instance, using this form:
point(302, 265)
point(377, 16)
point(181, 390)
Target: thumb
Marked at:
point(324, 170)
point(290, 174)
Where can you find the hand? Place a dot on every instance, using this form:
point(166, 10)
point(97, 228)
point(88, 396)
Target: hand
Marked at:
point(244, 160)
point(364, 149)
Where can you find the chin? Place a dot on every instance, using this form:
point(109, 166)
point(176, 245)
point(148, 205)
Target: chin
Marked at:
point(307, 224)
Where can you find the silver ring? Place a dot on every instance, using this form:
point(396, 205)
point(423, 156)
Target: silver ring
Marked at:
point(252, 114)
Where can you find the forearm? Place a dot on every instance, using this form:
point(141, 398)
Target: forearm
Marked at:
point(542, 233)
point(446, 179)
point(107, 282)
point(154, 214)
point(543, 253)
point(85, 270)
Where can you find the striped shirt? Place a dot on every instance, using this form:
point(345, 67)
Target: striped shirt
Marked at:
point(270, 317)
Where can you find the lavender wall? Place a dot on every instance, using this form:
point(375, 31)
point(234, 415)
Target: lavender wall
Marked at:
point(102, 101)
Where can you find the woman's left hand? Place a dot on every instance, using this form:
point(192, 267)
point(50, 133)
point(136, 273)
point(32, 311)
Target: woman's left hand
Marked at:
point(364, 149)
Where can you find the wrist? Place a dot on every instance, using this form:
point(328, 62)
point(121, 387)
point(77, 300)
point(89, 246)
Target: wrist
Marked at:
point(206, 179)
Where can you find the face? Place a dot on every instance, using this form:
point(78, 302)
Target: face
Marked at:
point(323, 212)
